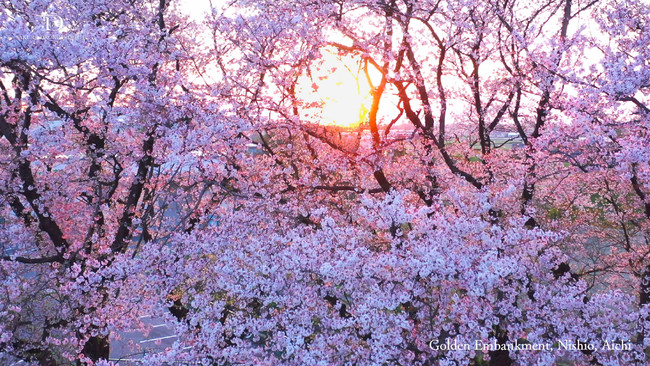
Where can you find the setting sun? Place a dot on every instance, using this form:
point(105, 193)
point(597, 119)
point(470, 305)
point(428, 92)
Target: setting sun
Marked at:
point(335, 92)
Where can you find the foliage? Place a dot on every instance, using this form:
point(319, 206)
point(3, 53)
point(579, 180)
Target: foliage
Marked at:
point(151, 164)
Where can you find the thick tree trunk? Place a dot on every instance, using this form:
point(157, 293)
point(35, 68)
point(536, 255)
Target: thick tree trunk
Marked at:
point(500, 357)
point(97, 348)
point(645, 287)
point(644, 297)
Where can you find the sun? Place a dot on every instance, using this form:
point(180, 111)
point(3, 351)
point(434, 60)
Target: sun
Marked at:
point(335, 91)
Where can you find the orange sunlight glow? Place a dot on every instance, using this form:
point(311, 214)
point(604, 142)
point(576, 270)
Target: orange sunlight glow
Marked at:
point(335, 91)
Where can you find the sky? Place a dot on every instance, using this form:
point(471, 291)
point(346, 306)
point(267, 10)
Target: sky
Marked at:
point(344, 97)
point(196, 8)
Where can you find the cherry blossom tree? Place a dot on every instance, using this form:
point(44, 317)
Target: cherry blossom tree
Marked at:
point(94, 97)
point(130, 185)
